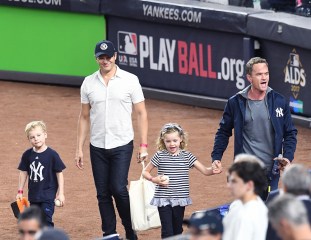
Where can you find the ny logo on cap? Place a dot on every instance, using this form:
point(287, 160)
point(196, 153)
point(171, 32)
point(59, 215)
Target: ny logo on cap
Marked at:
point(103, 46)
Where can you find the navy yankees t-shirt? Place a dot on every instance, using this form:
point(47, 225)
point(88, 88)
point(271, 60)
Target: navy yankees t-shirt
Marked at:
point(42, 168)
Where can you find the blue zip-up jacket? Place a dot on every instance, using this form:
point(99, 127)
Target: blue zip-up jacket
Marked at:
point(234, 115)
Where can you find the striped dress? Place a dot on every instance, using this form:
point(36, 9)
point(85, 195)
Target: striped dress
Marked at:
point(177, 169)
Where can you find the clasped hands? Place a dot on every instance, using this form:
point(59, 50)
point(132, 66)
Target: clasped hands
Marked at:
point(216, 167)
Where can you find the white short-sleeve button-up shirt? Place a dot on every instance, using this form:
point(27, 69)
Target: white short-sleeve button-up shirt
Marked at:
point(111, 107)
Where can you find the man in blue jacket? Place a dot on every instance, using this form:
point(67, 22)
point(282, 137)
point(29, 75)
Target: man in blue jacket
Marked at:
point(262, 123)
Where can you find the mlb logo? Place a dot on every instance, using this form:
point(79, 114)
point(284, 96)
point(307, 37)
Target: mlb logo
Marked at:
point(294, 59)
point(127, 42)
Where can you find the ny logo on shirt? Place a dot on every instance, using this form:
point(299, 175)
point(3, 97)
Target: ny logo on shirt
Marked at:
point(279, 112)
point(36, 171)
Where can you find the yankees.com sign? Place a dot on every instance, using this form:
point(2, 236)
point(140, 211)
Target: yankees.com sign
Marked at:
point(180, 58)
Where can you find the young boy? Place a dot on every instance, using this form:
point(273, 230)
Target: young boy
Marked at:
point(43, 168)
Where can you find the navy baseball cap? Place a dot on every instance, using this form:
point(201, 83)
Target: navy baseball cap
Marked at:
point(206, 220)
point(104, 47)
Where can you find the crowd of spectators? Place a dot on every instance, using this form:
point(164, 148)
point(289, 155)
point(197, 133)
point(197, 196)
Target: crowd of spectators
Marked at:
point(299, 7)
point(285, 214)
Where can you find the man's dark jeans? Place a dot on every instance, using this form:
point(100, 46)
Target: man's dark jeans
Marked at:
point(273, 182)
point(110, 171)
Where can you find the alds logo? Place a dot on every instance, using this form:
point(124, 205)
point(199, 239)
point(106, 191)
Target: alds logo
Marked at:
point(295, 73)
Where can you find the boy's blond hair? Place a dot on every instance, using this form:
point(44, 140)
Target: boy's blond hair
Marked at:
point(170, 128)
point(33, 125)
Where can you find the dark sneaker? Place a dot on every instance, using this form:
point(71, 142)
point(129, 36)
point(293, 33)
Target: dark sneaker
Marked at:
point(131, 236)
point(111, 237)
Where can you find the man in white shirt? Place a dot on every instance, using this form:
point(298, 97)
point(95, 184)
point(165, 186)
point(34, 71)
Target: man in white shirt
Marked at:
point(247, 218)
point(107, 99)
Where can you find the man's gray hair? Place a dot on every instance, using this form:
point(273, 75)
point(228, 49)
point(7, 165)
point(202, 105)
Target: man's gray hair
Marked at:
point(255, 60)
point(244, 157)
point(287, 207)
point(297, 180)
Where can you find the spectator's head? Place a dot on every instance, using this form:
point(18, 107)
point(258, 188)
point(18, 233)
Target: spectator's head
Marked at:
point(30, 222)
point(52, 234)
point(246, 177)
point(296, 180)
point(244, 157)
point(205, 226)
point(289, 217)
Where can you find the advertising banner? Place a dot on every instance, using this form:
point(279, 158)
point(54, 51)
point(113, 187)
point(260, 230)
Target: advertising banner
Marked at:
point(290, 74)
point(186, 13)
point(179, 58)
point(89, 6)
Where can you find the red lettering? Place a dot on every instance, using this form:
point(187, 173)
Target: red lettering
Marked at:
point(211, 73)
point(190, 65)
point(193, 60)
point(203, 72)
point(182, 57)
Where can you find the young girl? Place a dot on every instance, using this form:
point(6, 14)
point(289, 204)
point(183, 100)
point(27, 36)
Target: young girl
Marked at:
point(172, 190)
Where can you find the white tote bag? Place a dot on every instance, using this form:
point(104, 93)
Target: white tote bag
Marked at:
point(144, 216)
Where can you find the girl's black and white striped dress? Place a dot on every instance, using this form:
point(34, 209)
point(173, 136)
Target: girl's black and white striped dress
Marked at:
point(177, 168)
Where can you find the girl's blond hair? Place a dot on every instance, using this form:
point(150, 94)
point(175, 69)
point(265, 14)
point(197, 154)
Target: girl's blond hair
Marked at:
point(33, 125)
point(170, 128)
